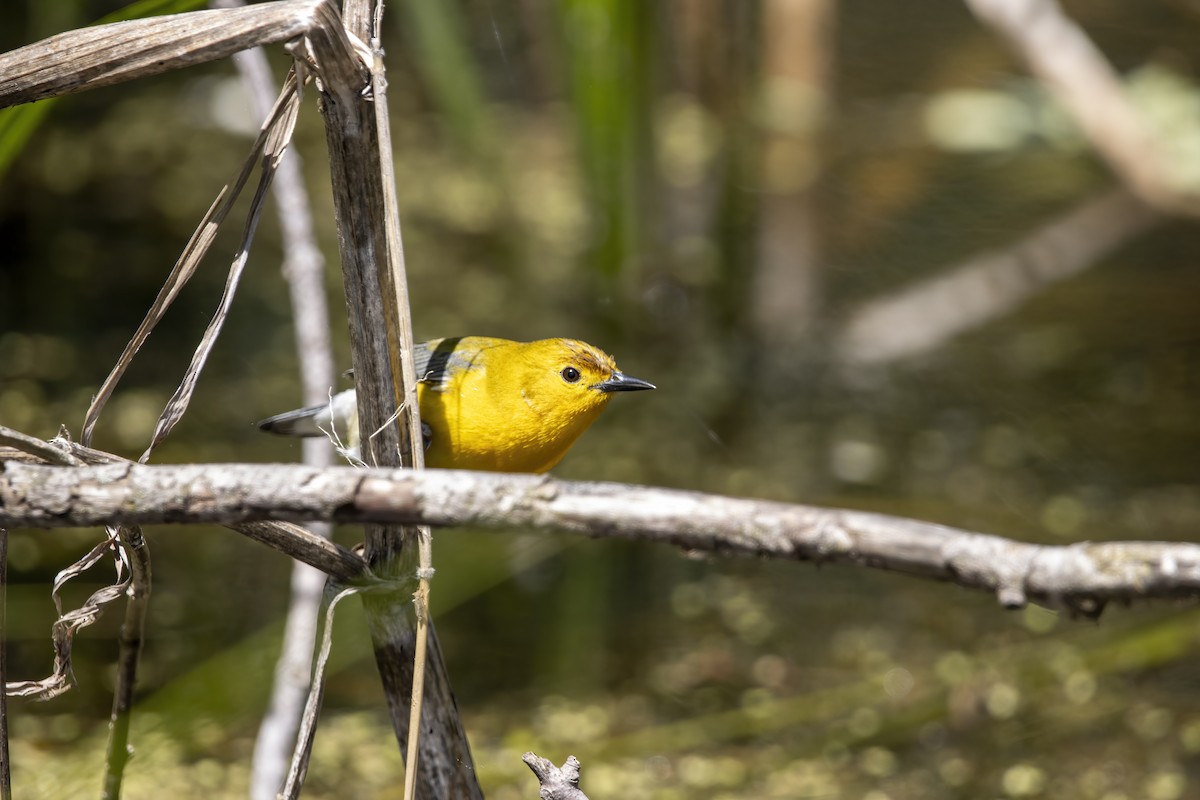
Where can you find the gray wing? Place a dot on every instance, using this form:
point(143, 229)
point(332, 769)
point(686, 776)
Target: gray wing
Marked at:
point(435, 359)
point(422, 356)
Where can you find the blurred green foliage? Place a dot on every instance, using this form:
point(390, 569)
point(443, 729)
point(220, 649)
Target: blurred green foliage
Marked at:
point(610, 169)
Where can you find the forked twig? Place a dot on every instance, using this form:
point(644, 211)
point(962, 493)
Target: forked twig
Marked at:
point(556, 783)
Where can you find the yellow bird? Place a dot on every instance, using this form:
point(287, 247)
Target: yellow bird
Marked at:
point(489, 404)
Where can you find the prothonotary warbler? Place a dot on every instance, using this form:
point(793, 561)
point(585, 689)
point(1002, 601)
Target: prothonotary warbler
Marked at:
point(489, 404)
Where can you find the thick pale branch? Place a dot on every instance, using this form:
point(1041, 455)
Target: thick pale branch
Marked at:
point(1082, 577)
point(121, 51)
point(299, 543)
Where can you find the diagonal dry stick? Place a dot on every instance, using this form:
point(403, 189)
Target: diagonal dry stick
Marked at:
point(403, 329)
point(323, 642)
point(274, 139)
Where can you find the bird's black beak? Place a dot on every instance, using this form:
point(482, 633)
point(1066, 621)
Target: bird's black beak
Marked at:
point(620, 382)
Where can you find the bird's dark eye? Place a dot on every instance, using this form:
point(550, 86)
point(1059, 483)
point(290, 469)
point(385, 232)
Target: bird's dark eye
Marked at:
point(570, 374)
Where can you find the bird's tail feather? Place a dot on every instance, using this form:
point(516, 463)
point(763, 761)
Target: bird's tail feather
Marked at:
point(337, 418)
point(300, 422)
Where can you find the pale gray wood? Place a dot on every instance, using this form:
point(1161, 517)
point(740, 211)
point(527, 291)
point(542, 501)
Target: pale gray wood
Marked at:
point(121, 51)
point(1081, 577)
point(556, 783)
point(301, 544)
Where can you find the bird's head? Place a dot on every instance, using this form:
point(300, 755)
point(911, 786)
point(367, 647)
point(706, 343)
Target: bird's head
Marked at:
point(572, 375)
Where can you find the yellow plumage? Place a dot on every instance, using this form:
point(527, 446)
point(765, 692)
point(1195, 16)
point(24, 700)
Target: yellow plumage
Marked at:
point(490, 404)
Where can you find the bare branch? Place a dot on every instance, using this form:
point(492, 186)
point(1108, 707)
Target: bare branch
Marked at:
point(307, 547)
point(1082, 576)
point(121, 51)
point(301, 544)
